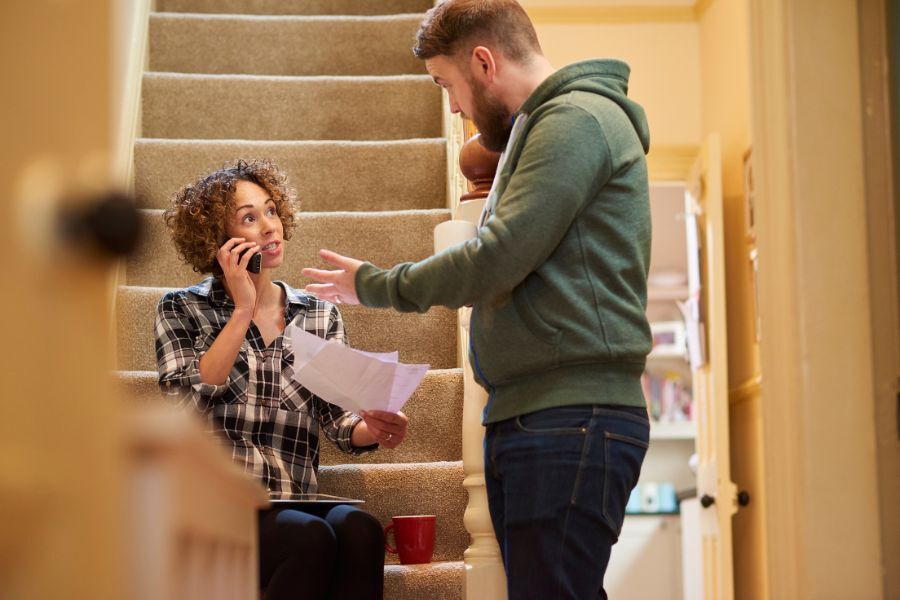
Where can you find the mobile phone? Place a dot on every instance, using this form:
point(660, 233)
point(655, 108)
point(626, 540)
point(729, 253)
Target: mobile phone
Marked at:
point(255, 263)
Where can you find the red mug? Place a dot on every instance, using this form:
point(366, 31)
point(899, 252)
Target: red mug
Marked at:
point(414, 535)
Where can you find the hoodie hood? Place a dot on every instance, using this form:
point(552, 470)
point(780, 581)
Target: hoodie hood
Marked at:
point(605, 77)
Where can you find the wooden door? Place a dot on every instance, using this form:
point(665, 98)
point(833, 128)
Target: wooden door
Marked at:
point(706, 322)
point(60, 471)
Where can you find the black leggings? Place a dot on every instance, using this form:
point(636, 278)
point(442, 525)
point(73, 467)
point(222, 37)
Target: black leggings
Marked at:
point(335, 556)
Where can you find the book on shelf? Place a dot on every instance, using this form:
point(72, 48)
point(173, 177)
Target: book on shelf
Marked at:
point(668, 396)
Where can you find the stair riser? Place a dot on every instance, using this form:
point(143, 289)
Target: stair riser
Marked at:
point(432, 489)
point(374, 330)
point(283, 45)
point(437, 581)
point(297, 7)
point(434, 411)
point(435, 425)
point(385, 239)
point(269, 108)
point(409, 175)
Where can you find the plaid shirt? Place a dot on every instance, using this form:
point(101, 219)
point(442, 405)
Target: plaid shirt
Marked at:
point(269, 422)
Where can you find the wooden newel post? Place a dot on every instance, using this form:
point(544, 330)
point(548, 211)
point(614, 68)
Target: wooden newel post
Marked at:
point(478, 165)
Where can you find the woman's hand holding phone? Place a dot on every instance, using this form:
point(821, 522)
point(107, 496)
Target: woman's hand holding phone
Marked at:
point(234, 256)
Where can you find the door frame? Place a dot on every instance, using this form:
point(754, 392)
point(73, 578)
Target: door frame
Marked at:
point(816, 337)
point(879, 30)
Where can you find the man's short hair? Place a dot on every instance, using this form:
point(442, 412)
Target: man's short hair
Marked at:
point(453, 27)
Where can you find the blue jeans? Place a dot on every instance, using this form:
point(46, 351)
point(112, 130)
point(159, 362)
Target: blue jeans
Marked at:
point(557, 483)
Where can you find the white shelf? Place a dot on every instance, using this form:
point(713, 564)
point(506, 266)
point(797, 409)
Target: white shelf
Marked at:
point(681, 430)
point(660, 294)
point(662, 363)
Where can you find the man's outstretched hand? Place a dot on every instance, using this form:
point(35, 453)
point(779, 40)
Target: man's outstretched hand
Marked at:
point(337, 286)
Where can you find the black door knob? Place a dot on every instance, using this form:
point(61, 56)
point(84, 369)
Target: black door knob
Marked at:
point(743, 498)
point(109, 223)
point(706, 500)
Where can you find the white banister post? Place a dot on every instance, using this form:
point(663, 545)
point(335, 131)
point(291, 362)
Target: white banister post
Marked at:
point(485, 578)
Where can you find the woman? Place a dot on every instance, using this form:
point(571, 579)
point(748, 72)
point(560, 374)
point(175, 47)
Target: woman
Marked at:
point(222, 346)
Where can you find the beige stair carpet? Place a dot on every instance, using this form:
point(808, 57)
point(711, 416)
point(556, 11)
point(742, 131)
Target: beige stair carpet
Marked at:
point(383, 238)
point(357, 45)
point(433, 411)
point(265, 107)
point(407, 489)
point(382, 175)
point(440, 581)
point(426, 338)
point(297, 7)
point(329, 91)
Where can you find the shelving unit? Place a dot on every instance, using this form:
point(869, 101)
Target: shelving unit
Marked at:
point(672, 443)
point(685, 430)
point(655, 538)
point(658, 293)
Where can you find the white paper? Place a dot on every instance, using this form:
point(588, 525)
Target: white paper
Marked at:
point(690, 309)
point(353, 379)
point(693, 329)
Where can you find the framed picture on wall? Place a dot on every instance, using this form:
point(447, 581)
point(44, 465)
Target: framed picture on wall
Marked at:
point(749, 198)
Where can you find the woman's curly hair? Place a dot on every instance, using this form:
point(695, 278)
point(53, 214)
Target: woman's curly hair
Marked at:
point(196, 219)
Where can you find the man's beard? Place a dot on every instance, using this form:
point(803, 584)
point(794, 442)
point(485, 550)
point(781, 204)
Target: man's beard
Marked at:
point(494, 121)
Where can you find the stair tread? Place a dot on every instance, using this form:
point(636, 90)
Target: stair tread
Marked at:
point(436, 581)
point(284, 45)
point(287, 18)
point(282, 7)
point(279, 107)
point(434, 411)
point(387, 175)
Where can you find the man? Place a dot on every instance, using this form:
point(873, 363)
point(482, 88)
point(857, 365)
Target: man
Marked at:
point(557, 277)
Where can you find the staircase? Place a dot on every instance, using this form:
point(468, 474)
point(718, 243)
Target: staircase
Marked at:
point(329, 90)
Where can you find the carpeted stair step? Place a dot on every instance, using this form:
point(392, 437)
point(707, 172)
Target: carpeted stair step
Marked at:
point(435, 425)
point(297, 7)
point(328, 175)
point(434, 411)
point(252, 107)
point(265, 45)
point(435, 581)
point(433, 488)
point(383, 238)
point(428, 338)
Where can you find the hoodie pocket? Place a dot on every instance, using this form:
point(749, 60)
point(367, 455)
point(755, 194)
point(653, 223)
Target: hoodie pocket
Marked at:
point(511, 340)
point(530, 316)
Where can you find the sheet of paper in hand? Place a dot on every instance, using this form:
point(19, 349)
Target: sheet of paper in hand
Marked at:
point(352, 379)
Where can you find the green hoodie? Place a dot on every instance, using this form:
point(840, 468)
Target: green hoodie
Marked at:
point(558, 272)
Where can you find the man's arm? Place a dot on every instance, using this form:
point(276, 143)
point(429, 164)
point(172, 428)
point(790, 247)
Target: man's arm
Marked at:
point(564, 162)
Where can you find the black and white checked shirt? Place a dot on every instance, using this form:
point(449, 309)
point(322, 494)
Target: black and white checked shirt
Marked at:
point(270, 422)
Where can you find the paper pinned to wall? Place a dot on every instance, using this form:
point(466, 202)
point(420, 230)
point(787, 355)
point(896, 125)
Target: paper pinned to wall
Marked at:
point(690, 309)
point(353, 379)
point(694, 332)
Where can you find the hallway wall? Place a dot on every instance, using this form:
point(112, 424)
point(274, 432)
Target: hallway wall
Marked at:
point(665, 68)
